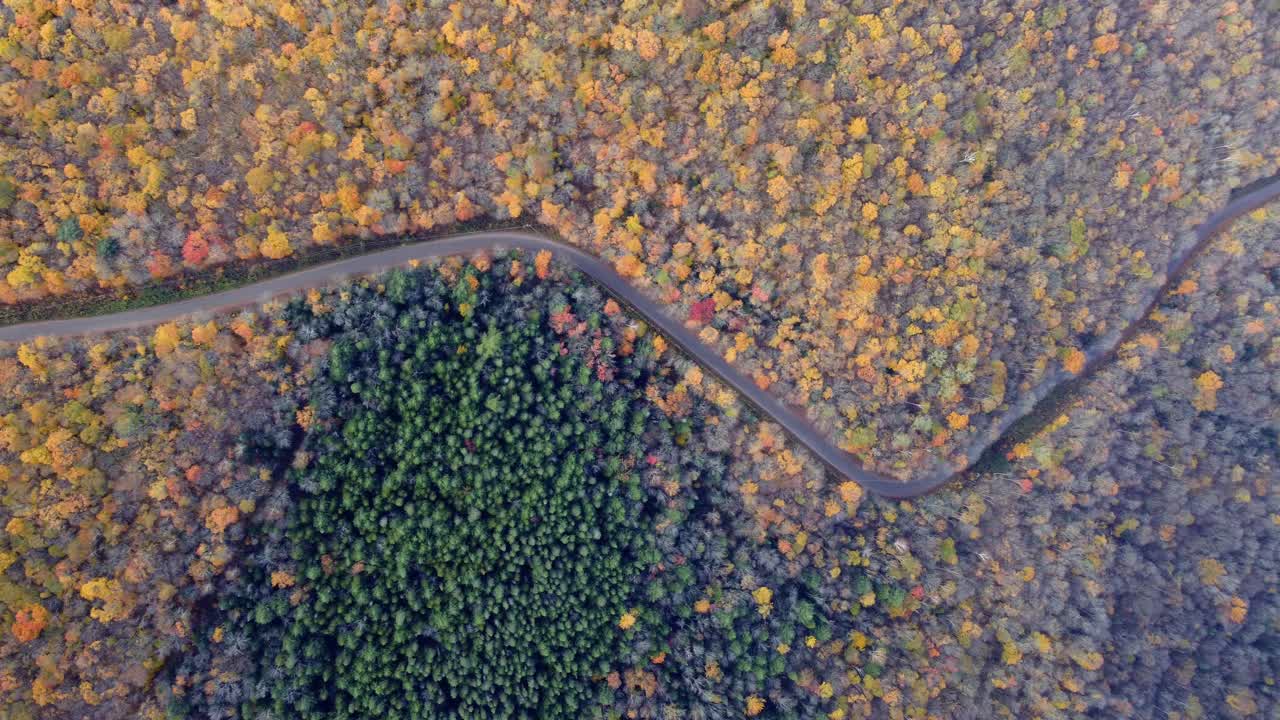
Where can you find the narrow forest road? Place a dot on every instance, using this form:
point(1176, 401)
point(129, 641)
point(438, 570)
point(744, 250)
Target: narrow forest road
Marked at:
point(838, 460)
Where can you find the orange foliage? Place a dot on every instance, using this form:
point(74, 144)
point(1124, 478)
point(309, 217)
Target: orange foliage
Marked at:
point(29, 621)
point(542, 263)
point(219, 519)
point(1104, 44)
point(195, 249)
point(1075, 362)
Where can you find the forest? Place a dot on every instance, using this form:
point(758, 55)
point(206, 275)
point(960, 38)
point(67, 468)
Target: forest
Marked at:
point(479, 487)
point(894, 214)
point(463, 484)
point(1120, 563)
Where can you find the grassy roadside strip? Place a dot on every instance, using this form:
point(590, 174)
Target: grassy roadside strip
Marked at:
point(227, 276)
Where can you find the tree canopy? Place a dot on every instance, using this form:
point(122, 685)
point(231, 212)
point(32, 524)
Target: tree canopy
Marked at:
point(467, 530)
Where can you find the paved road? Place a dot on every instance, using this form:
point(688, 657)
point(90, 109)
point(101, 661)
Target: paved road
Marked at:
point(838, 460)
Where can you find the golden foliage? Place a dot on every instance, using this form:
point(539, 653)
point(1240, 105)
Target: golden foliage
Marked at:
point(276, 245)
point(629, 266)
point(1207, 384)
point(111, 594)
point(166, 338)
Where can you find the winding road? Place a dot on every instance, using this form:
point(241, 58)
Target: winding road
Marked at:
point(839, 461)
